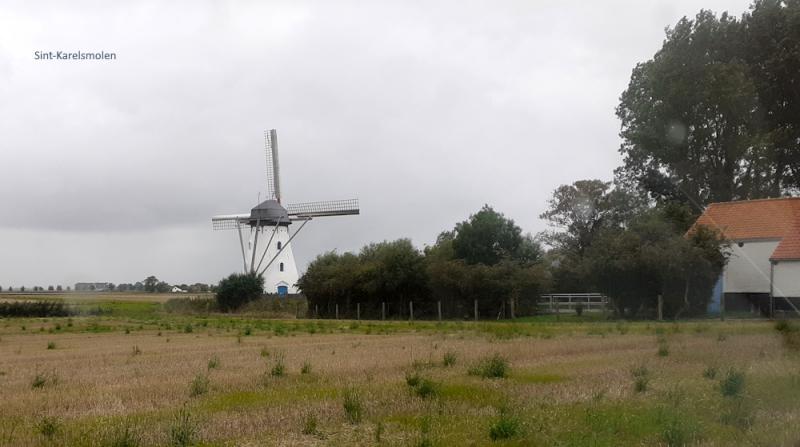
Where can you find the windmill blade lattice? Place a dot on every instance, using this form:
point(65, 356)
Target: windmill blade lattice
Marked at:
point(324, 208)
point(273, 167)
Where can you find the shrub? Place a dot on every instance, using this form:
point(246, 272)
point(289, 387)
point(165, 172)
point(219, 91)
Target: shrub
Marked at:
point(188, 329)
point(505, 426)
point(353, 406)
point(238, 289)
point(199, 385)
point(491, 367)
point(449, 358)
point(183, 430)
point(48, 426)
point(732, 384)
point(641, 378)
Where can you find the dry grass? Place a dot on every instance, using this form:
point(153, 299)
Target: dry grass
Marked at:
point(573, 386)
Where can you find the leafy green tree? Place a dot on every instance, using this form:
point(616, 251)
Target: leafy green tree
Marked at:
point(488, 237)
point(689, 124)
point(239, 289)
point(150, 284)
point(650, 258)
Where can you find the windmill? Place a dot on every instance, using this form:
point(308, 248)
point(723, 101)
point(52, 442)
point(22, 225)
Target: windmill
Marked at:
point(267, 248)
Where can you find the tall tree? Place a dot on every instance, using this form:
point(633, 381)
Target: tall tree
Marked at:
point(689, 117)
point(488, 237)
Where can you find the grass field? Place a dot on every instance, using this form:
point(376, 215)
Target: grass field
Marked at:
point(137, 375)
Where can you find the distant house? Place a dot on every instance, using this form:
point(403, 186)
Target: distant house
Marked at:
point(763, 271)
point(176, 289)
point(91, 286)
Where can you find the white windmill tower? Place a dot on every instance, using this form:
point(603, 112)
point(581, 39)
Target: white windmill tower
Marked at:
point(267, 249)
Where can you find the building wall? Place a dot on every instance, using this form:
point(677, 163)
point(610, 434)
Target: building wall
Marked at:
point(748, 269)
point(787, 279)
point(273, 276)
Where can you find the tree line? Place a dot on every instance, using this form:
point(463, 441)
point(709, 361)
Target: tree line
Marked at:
point(484, 258)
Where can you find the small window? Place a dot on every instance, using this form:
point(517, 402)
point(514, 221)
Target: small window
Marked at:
point(281, 266)
point(279, 245)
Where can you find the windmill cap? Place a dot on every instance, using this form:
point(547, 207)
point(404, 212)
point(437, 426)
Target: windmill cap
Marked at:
point(269, 212)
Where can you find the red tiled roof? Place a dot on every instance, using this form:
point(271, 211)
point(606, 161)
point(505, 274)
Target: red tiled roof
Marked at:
point(759, 219)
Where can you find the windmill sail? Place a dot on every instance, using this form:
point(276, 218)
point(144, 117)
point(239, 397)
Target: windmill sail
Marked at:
point(229, 221)
point(273, 167)
point(324, 208)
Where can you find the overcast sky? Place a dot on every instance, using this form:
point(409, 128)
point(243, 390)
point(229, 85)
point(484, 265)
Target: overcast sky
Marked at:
point(424, 110)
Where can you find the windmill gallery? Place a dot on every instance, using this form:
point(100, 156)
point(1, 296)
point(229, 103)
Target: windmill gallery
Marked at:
point(263, 234)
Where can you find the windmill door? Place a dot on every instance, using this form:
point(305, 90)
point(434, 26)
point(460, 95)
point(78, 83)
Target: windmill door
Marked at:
point(283, 290)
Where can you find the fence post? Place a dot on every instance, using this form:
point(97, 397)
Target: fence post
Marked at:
point(316, 311)
point(383, 310)
point(439, 309)
point(358, 311)
point(337, 311)
point(476, 310)
point(296, 311)
point(410, 311)
point(660, 308)
point(511, 307)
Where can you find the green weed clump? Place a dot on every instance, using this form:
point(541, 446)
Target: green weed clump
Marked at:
point(48, 426)
point(278, 367)
point(42, 379)
point(306, 368)
point(51, 345)
point(506, 426)
point(641, 378)
point(494, 367)
point(449, 359)
point(732, 384)
point(710, 372)
point(199, 385)
point(124, 436)
point(213, 363)
point(136, 351)
point(182, 430)
point(353, 405)
point(310, 423)
point(188, 329)
point(422, 387)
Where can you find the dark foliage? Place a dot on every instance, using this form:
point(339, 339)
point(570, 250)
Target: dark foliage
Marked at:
point(34, 309)
point(238, 289)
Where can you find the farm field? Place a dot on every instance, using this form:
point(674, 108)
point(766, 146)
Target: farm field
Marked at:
point(138, 375)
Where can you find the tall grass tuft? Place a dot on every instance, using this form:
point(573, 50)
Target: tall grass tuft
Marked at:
point(183, 430)
point(48, 426)
point(124, 436)
point(278, 366)
point(641, 378)
point(310, 423)
point(449, 359)
point(306, 368)
point(51, 345)
point(199, 385)
point(506, 426)
point(732, 384)
point(213, 363)
point(494, 367)
point(353, 405)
